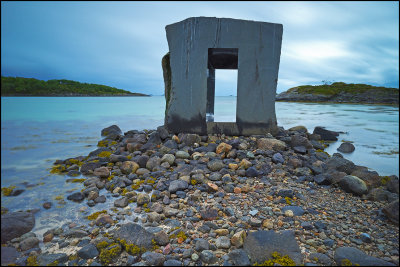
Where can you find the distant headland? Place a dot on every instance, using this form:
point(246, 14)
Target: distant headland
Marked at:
point(18, 86)
point(340, 92)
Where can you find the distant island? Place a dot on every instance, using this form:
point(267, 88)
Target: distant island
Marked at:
point(340, 92)
point(18, 86)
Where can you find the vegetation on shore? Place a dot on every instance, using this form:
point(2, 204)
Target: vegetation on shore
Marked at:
point(18, 86)
point(341, 87)
point(340, 92)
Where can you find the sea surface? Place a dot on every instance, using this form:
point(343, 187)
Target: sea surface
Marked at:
point(36, 131)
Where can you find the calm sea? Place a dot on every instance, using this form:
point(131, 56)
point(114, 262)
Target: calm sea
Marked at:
point(35, 131)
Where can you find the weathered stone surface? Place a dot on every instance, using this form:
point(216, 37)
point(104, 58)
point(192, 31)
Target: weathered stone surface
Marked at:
point(128, 167)
point(393, 184)
point(153, 258)
point(256, 47)
point(134, 234)
point(142, 199)
point(356, 256)
point(47, 259)
point(325, 134)
point(177, 185)
point(8, 255)
point(353, 184)
point(189, 139)
point(298, 140)
point(201, 244)
point(346, 147)
point(89, 167)
point(15, 224)
point(298, 211)
point(392, 211)
point(271, 144)
point(168, 158)
point(77, 197)
point(260, 245)
point(113, 129)
point(207, 256)
point(239, 257)
point(121, 202)
point(29, 243)
point(102, 172)
point(215, 165)
point(340, 164)
point(88, 252)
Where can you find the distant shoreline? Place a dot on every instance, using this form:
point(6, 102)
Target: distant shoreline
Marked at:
point(333, 102)
point(74, 95)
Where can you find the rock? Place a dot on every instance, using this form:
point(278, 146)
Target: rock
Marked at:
point(391, 211)
point(252, 172)
point(320, 258)
point(104, 219)
point(111, 130)
point(207, 256)
point(100, 199)
point(353, 256)
point(28, 243)
point(47, 259)
point(172, 262)
point(76, 233)
point(371, 178)
point(346, 147)
point(255, 222)
point(326, 134)
point(161, 238)
point(102, 172)
point(271, 144)
point(278, 158)
point(189, 139)
point(297, 211)
point(48, 237)
point(169, 212)
point(162, 132)
point(366, 238)
point(142, 171)
point(93, 195)
point(340, 164)
point(215, 165)
point(47, 205)
point(353, 184)
point(306, 225)
point(393, 184)
point(128, 167)
point(201, 244)
point(15, 224)
point(131, 147)
point(244, 164)
point(286, 193)
point(88, 252)
point(322, 179)
point(153, 258)
point(153, 217)
point(134, 234)
point(177, 185)
point(215, 176)
point(154, 138)
point(298, 140)
point(238, 238)
point(223, 148)
point(121, 202)
point(142, 199)
point(239, 257)
point(378, 194)
point(168, 158)
point(89, 167)
point(300, 129)
point(260, 245)
point(77, 197)
point(8, 255)
point(223, 242)
point(182, 155)
point(209, 214)
point(153, 162)
point(300, 149)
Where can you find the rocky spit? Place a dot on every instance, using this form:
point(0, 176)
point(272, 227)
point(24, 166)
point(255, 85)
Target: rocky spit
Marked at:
point(216, 200)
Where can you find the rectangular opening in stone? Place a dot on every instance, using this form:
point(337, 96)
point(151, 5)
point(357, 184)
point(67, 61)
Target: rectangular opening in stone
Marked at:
point(226, 61)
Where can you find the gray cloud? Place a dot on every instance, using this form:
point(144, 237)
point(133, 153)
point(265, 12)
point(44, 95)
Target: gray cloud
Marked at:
point(121, 43)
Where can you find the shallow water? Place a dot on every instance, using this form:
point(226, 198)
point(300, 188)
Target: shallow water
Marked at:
point(35, 131)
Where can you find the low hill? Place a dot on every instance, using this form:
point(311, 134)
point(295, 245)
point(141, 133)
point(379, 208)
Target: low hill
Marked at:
point(17, 86)
point(340, 92)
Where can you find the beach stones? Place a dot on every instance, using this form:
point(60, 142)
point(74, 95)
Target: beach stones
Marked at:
point(260, 245)
point(298, 140)
point(128, 167)
point(142, 199)
point(215, 165)
point(271, 144)
point(121, 202)
point(346, 147)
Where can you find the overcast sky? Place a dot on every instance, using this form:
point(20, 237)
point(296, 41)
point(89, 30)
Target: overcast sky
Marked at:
point(121, 44)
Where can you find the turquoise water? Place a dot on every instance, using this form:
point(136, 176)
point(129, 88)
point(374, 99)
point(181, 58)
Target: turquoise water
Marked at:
point(35, 131)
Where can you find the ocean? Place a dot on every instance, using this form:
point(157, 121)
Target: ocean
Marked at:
point(36, 131)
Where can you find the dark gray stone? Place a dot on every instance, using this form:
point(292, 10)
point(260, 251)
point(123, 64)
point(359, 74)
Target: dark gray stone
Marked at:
point(278, 158)
point(298, 141)
point(260, 245)
point(201, 244)
point(322, 179)
point(285, 193)
point(8, 255)
point(88, 252)
point(297, 211)
point(15, 224)
point(320, 258)
point(100, 199)
point(207, 256)
point(356, 256)
point(177, 185)
point(46, 259)
point(340, 164)
point(239, 257)
point(134, 234)
point(113, 129)
point(391, 211)
point(77, 197)
point(346, 147)
point(252, 172)
point(306, 225)
point(29, 243)
point(75, 233)
point(326, 134)
point(172, 262)
point(153, 258)
point(353, 184)
point(215, 165)
point(121, 202)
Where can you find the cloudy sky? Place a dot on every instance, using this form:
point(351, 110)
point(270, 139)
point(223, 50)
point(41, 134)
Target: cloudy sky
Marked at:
point(121, 44)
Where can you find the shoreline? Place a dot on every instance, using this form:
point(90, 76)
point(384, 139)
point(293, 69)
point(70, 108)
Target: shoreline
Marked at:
point(202, 199)
point(333, 102)
point(71, 95)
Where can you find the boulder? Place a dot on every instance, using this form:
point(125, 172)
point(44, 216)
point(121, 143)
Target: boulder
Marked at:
point(102, 172)
point(88, 252)
point(189, 139)
point(392, 211)
point(133, 233)
point(346, 147)
point(238, 257)
point(8, 255)
point(298, 140)
point(353, 184)
point(326, 134)
point(371, 178)
point(260, 245)
point(271, 144)
point(348, 255)
point(340, 164)
point(121, 202)
point(177, 185)
point(111, 130)
point(89, 167)
point(153, 258)
point(15, 224)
